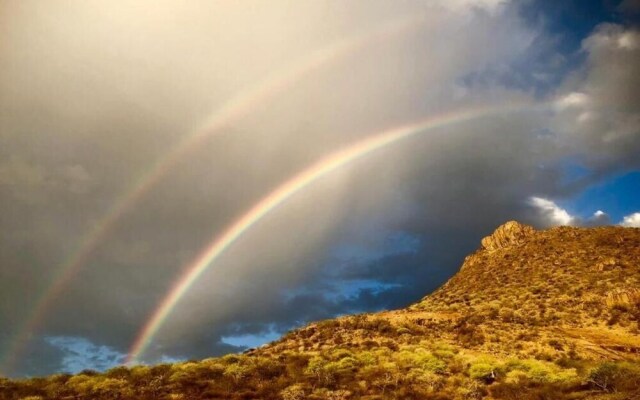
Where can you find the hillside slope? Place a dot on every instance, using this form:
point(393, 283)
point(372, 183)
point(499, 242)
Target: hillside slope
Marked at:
point(547, 294)
point(550, 314)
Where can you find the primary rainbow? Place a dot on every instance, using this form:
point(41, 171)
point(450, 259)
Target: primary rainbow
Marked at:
point(235, 108)
point(278, 196)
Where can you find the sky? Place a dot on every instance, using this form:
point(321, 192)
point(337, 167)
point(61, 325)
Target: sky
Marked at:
point(134, 134)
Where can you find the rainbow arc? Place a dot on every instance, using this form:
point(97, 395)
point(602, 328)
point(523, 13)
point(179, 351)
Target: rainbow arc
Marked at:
point(240, 105)
point(281, 194)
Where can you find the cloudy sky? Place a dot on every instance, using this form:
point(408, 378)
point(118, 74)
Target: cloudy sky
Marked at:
point(134, 133)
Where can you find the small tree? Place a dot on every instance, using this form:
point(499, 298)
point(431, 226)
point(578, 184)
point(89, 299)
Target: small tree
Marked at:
point(613, 377)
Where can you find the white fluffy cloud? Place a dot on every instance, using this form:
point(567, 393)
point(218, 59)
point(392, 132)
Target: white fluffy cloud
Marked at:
point(631, 221)
point(550, 212)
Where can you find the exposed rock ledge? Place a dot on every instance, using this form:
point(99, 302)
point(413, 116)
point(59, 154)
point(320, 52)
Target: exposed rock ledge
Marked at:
point(509, 234)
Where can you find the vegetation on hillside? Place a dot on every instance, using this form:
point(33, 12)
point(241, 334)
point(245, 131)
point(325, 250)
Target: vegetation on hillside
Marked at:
point(549, 314)
point(422, 371)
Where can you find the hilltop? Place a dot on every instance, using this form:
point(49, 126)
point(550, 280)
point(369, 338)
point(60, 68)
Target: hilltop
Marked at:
point(546, 294)
point(532, 314)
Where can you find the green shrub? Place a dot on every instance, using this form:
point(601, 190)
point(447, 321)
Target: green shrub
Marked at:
point(431, 363)
point(538, 371)
point(615, 376)
point(236, 372)
point(483, 371)
point(426, 379)
point(367, 358)
point(341, 353)
point(420, 358)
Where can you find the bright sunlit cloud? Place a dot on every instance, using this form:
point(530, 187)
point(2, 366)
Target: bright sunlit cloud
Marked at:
point(631, 221)
point(551, 212)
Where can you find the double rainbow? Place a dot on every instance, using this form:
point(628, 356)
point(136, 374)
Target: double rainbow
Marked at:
point(280, 195)
point(243, 103)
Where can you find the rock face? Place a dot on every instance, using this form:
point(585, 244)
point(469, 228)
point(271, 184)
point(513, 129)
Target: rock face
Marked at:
point(623, 297)
point(509, 234)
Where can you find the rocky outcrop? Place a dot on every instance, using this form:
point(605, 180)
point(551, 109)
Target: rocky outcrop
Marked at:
point(509, 234)
point(623, 298)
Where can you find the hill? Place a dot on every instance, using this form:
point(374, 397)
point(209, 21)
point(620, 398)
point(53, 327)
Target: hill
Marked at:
point(532, 314)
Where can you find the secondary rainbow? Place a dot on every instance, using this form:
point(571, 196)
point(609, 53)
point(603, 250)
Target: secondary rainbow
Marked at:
point(231, 111)
point(278, 196)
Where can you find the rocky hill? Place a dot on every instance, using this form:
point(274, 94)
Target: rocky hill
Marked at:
point(533, 314)
point(545, 294)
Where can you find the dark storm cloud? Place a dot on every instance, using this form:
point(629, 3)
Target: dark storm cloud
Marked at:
point(598, 114)
point(93, 93)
